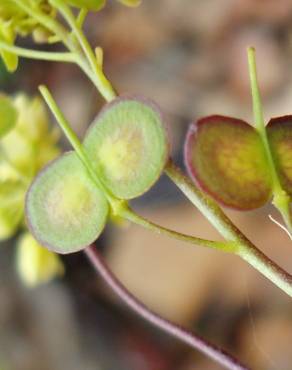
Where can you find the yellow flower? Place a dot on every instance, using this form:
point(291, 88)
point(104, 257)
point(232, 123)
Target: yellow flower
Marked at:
point(24, 150)
point(27, 144)
point(35, 264)
point(31, 143)
point(14, 21)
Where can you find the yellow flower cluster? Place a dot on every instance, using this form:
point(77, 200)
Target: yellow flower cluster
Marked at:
point(36, 264)
point(24, 150)
point(24, 17)
point(14, 21)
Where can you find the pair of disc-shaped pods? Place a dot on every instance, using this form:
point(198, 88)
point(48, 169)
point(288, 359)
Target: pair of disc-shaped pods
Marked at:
point(126, 150)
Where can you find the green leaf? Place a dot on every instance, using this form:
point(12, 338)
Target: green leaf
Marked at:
point(279, 132)
point(88, 4)
point(127, 146)
point(226, 157)
point(8, 115)
point(65, 210)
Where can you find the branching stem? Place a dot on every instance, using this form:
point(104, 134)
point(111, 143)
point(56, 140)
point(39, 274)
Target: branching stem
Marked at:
point(194, 341)
point(223, 224)
point(102, 83)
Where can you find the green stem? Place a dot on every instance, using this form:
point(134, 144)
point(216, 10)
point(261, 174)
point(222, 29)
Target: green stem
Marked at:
point(266, 267)
point(102, 83)
point(205, 204)
point(65, 126)
point(281, 199)
point(81, 17)
point(36, 54)
point(255, 92)
point(133, 217)
point(223, 224)
point(74, 140)
point(120, 207)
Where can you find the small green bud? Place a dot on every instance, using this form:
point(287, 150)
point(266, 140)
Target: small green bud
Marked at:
point(35, 264)
point(41, 35)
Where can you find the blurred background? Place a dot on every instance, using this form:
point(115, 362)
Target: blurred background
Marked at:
point(190, 57)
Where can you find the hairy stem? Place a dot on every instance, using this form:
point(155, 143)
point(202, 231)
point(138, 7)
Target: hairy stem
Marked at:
point(281, 199)
point(223, 224)
point(194, 341)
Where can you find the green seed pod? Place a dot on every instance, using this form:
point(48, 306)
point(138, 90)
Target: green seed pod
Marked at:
point(127, 145)
point(226, 157)
point(87, 4)
point(65, 210)
point(279, 132)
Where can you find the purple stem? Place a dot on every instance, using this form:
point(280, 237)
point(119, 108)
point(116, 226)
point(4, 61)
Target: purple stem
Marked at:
point(218, 355)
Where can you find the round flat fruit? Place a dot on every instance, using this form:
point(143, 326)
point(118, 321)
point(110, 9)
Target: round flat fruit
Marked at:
point(226, 157)
point(65, 210)
point(127, 145)
point(279, 132)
